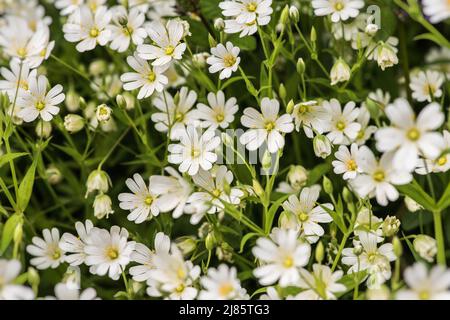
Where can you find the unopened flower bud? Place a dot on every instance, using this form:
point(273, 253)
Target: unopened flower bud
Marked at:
point(102, 206)
point(290, 106)
point(103, 113)
point(210, 241)
point(327, 185)
point(321, 146)
point(73, 123)
point(397, 245)
point(340, 72)
point(386, 56)
point(259, 191)
point(297, 176)
point(219, 24)
point(425, 246)
point(53, 175)
point(72, 101)
point(313, 35)
point(212, 41)
point(98, 180)
point(412, 205)
point(282, 91)
point(284, 17)
point(266, 162)
point(43, 129)
point(72, 277)
point(300, 66)
point(186, 244)
point(371, 29)
point(18, 232)
point(390, 226)
point(121, 102)
point(294, 15)
point(33, 277)
point(97, 67)
point(320, 252)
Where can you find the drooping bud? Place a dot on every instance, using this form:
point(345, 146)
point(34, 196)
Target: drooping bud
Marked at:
point(98, 180)
point(73, 123)
point(340, 72)
point(425, 246)
point(321, 146)
point(102, 206)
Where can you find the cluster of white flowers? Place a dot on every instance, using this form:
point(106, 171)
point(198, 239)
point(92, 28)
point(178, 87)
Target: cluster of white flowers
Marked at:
point(162, 110)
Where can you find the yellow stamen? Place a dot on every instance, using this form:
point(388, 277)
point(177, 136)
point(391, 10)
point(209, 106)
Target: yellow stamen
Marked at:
point(169, 50)
point(94, 33)
point(148, 200)
point(112, 253)
point(340, 125)
point(303, 216)
point(151, 76)
point(269, 126)
point(251, 7)
point(378, 176)
point(442, 160)
point(229, 60)
point(40, 105)
point(351, 165)
point(288, 262)
point(225, 289)
point(338, 6)
point(413, 134)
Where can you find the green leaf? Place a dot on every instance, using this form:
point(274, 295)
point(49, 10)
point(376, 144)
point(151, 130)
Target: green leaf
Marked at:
point(444, 202)
point(210, 9)
point(245, 44)
point(351, 280)
point(317, 173)
point(8, 231)
point(26, 187)
point(10, 156)
point(431, 37)
point(273, 210)
point(415, 192)
point(244, 240)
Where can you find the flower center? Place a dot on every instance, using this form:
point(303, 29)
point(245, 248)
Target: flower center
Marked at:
point(269, 126)
point(429, 88)
point(216, 193)
point(229, 60)
point(220, 117)
point(360, 135)
point(413, 134)
point(288, 262)
point(340, 125)
point(103, 111)
point(93, 6)
point(379, 176)
point(302, 109)
point(127, 31)
point(148, 200)
point(169, 50)
point(251, 7)
point(442, 160)
point(23, 84)
point(22, 52)
point(371, 257)
point(40, 105)
point(112, 253)
point(179, 117)
point(339, 6)
point(151, 76)
point(56, 254)
point(351, 165)
point(225, 289)
point(424, 295)
point(195, 152)
point(94, 33)
point(303, 217)
point(180, 288)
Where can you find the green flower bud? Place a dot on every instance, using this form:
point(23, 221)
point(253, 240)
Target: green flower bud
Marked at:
point(282, 91)
point(398, 248)
point(290, 106)
point(121, 102)
point(300, 66)
point(43, 129)
point(320, 252)
point(187, 244)
point(284, 18)
point(327, 185)
point(313, 35)
point(210, 241)
point(212, 41)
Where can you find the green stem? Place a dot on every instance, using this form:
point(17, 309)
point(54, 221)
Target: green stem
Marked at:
point(338, 255)
point(439, 235)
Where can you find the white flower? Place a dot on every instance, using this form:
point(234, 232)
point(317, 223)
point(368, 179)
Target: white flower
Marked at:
point(409, 136)
point(88, 28)
point(195, 150)
point(266, 126)
point(437, 10)
point(68, 6)
point(146, 77)
point(38, 102)
point(340, 10)
point(222, 284)
point(174, 192)
point(346, 162)
point(103, 113)
point(340, 72)
point(9, 271)
point(167, 39)
point(306, 214)
point(426, 86)
point(172, 276)
point(219, 112)
point(282, 256)
point(74, 245)
point(378, 177)
point(16, 79)
point(440, 164)
point(102, 206)
point(46, 251)
point(320, 284)
point(144, 256)
point(311, 116)
point(244, 29)
point(65, 292)
point(424, 284)
point(142, 202)
point(376, 260)
point(109, 252)
point(127, 27)
point(224, 59)
point(367, 221)
point(175, 115)
point(426, 247)
point(342, 127)
point(214, 187)
point(247, 11)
